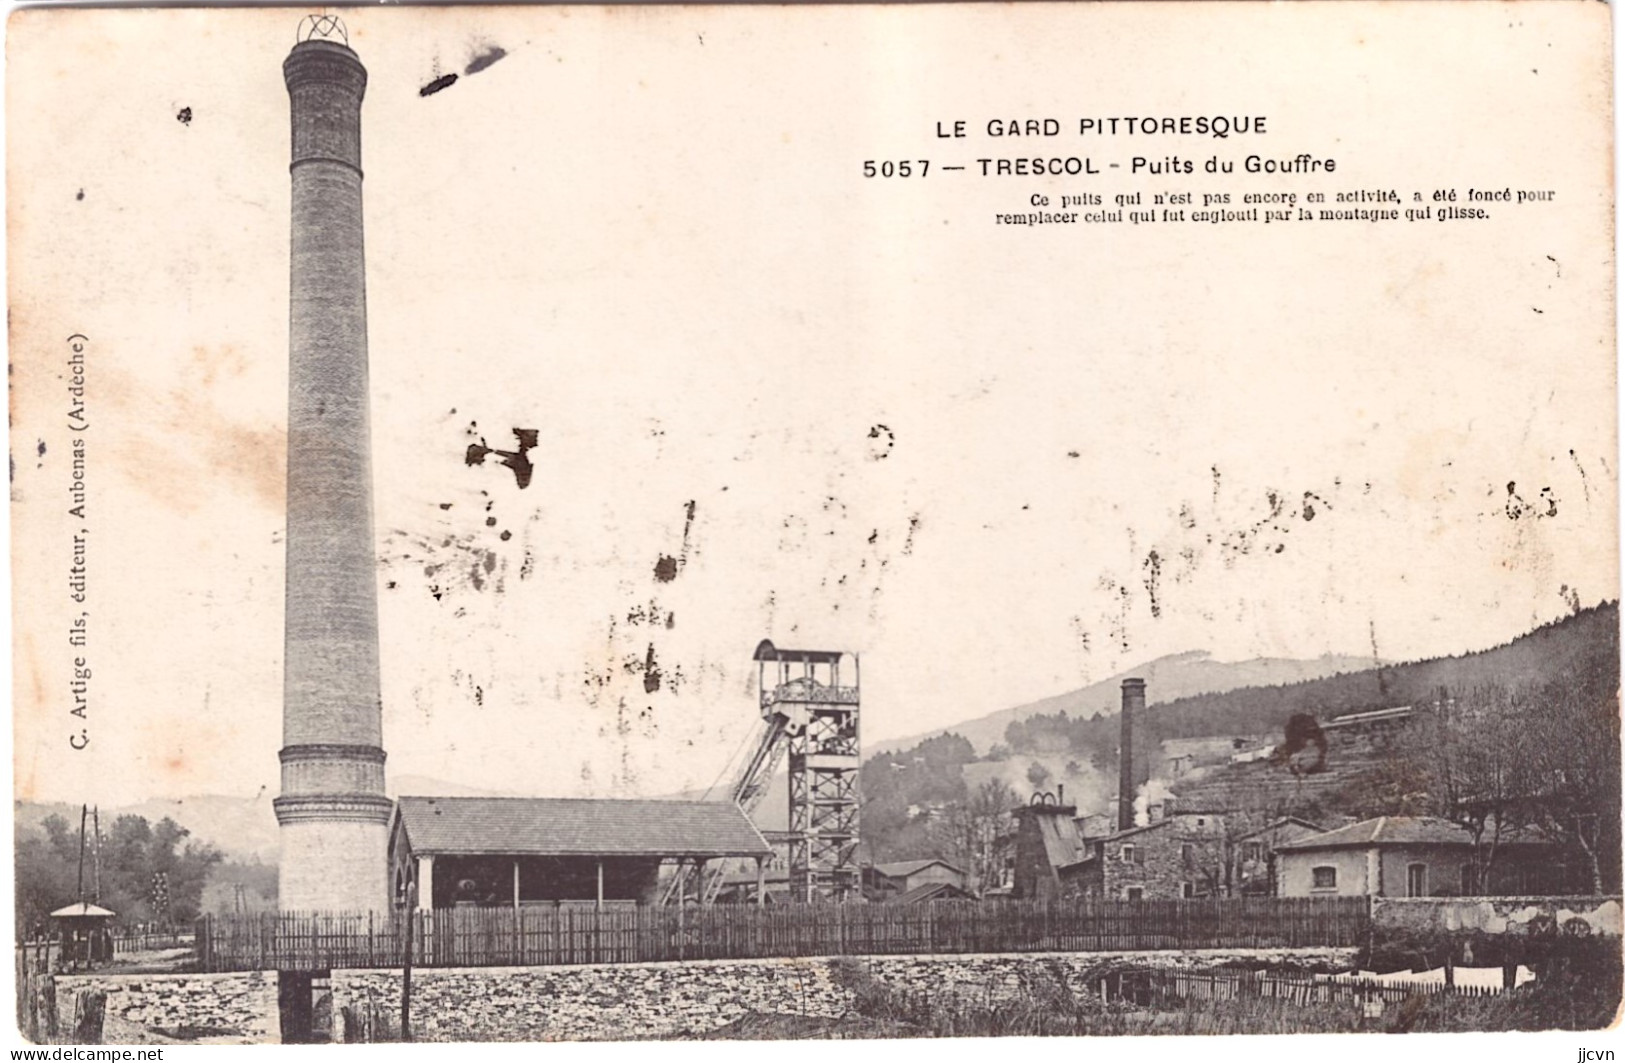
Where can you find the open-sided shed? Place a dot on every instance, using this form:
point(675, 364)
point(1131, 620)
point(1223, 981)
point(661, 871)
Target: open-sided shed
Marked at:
point(448, 852)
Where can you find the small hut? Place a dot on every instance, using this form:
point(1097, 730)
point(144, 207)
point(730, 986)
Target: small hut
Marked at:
point(86, 931)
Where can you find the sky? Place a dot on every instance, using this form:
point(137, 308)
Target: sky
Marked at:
point(995, 462)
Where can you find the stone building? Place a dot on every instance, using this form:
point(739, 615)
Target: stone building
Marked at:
point(1252, 855)
point(1181, 855)
point(1414, 856)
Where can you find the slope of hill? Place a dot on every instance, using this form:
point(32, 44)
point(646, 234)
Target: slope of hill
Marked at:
point(1586, 641)
point(1169, 678)
point(1073, 739)
point(237, 826)
point(240, 827)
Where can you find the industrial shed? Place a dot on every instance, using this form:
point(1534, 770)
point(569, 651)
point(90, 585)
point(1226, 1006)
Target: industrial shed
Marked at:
point(455, 852)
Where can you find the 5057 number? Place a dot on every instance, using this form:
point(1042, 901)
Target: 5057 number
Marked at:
point(905, 168)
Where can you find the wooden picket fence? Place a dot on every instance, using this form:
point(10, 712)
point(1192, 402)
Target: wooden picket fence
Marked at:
point(1142, 986)
point(570, 934)
point(147, 941)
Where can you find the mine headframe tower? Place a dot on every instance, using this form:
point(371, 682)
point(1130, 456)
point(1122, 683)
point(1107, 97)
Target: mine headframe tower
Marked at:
point(803, 700)
point(807, 713)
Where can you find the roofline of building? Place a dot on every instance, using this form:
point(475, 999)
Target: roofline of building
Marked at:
point(398, 820)
point(1377, 841)
point(921, 865)
point(1382, 843)
point(1395, 712)
point(662, 854)
point(1127, 833)
point(562, 800)
point(1280, 822)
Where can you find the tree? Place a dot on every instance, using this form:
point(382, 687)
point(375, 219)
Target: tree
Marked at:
point(1502, 760)
point(1569, 777)
point(978, 832)
point(1471, 767)
point(133, 851)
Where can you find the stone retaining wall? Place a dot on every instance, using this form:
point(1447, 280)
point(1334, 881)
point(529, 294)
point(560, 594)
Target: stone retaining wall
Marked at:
point(1422, 917)
point(672, 999)
point(622, 1001)
point(244, 1004)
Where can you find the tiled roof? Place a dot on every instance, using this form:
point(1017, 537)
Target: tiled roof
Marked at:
point(551, 826)
point(81, 910)
point(905, 868)
point(1396, 830)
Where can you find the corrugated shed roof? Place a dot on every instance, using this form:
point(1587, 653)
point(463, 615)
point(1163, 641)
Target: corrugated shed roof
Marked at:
point(555, 826)
point(905, 868)
point(1398, 830)
point(931, 891)
point(1062, 844)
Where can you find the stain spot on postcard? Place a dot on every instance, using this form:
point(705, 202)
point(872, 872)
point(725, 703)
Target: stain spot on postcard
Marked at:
point(1153, 573)
point(515, 459)
point(881, 442)
point(447, 563)
point(486, 57)
point(1519, 508)
point(184, 116)
point(444, 81)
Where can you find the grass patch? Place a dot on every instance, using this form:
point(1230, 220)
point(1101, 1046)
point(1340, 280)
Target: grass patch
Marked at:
point(1569, 997)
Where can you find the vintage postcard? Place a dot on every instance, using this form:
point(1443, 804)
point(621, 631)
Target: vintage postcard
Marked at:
point(734, 522)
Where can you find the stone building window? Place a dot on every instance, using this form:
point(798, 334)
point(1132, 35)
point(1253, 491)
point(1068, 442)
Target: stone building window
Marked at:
point(1325, 878)
point(1133, 893)
point(1131, 855)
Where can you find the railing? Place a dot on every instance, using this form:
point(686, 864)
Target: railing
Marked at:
point(1142, 986)
point(804, 692)
point(538, 936)
point(151, 941)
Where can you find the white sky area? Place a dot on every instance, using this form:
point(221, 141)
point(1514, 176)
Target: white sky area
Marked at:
point(646, 235)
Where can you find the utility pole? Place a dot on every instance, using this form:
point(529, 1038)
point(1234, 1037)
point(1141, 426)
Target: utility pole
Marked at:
point(410, 914)
point(84, 814)
point(96, 817)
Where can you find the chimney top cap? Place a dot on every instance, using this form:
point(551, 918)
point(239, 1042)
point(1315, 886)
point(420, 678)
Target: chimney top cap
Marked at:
point(1133, 682)
point(323, 28)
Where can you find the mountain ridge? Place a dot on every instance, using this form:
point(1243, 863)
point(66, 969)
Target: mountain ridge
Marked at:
point(1168, 678)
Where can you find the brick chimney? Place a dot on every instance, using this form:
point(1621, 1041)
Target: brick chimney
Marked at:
point(1133, 705)
point(332, 810)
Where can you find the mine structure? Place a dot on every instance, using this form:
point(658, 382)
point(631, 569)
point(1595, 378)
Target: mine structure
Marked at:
point(808, 714)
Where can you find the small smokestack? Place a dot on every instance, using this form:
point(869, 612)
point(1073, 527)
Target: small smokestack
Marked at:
point(1133, 705)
